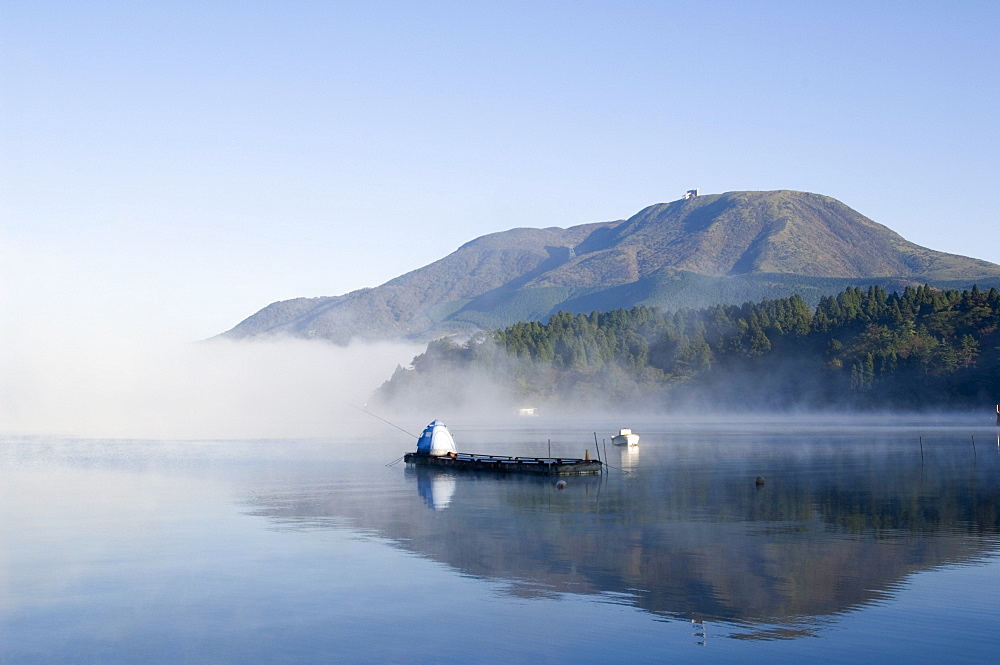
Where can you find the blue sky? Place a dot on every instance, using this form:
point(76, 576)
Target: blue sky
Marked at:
point(179, 165)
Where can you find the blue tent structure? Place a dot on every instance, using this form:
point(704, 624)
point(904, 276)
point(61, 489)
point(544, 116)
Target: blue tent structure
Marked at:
point(436, 440)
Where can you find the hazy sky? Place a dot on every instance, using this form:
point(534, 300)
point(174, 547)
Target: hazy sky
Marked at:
point(179, 165)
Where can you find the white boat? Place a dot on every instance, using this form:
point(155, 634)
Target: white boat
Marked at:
point(625, 437)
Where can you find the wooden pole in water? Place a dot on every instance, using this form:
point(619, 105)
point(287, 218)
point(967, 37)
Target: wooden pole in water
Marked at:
point(921, 449)
point(598, 446)
point(974, 446)
point(550, 447)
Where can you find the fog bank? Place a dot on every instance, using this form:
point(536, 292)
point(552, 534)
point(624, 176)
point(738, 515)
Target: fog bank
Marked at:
point(93, 383)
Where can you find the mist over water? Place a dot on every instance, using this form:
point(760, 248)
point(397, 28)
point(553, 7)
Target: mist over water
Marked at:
point(473, 396)
point(95, 383)
point(90, 381)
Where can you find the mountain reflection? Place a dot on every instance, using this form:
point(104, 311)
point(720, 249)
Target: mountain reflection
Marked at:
point(690, 536)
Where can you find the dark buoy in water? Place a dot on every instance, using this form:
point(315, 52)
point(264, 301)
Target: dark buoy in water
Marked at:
point(561, 485)
point(759, 481)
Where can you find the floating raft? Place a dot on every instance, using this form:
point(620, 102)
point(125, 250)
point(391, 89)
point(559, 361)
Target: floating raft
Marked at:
point(545, 466)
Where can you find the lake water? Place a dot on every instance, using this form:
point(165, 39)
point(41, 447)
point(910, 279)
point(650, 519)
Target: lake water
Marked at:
point(867, 542)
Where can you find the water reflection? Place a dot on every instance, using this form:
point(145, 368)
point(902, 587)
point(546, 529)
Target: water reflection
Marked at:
point(688, 534)
point(629, 458)
point(436, 489)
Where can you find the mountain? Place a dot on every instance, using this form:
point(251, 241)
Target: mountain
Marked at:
point(722, 248)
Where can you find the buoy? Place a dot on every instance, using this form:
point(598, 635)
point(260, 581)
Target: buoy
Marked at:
point(759, 481)
point(561, 485)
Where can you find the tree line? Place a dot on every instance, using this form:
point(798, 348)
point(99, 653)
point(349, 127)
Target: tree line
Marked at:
point(922, 348)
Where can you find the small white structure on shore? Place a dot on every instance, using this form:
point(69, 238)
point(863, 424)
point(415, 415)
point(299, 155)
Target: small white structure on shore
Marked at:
point(527, 411)
point(436, 440)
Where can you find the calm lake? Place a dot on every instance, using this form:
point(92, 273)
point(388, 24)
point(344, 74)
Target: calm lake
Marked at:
point(868, 541)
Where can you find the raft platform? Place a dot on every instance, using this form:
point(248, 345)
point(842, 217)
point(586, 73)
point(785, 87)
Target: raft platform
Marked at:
point(544, 466)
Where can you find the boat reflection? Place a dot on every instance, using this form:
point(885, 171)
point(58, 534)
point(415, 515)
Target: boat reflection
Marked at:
point(629, 458)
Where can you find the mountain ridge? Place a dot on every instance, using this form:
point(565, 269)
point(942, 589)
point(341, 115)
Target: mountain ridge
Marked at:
point(691, 252)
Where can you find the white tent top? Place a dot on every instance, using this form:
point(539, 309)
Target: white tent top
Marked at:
point(436, 440)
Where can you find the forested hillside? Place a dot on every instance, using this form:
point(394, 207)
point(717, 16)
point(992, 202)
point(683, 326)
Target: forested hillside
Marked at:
point(863, 348)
